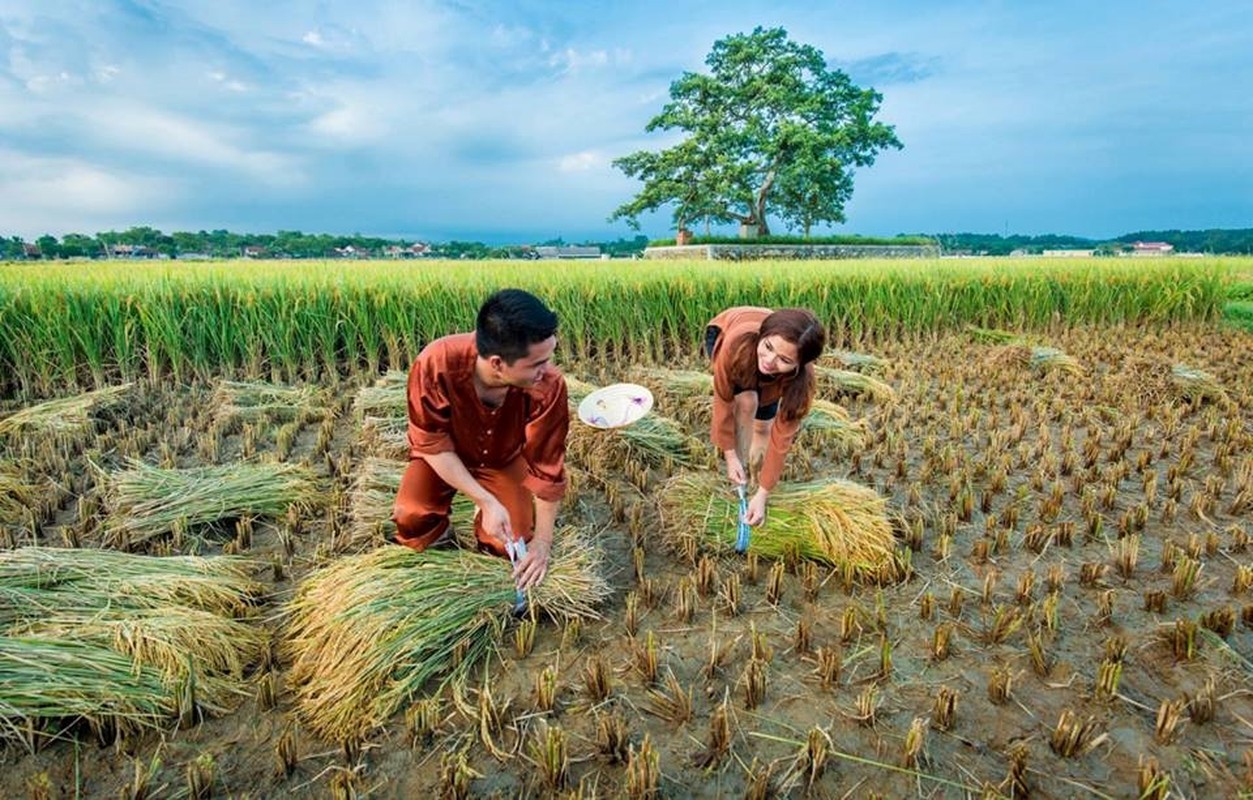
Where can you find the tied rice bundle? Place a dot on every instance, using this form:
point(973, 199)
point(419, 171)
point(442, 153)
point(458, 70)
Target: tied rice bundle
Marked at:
point(1195, 384)
point(388, 397)
point(372, 498)
point(121, 641)
point(992, 335)
point(652, 441)
point(386, 437)
point(833, 521)
point(843, 381)
point(251, 401)
point(145, 501)
point(1041, 359)
point(677, 383)
point(66, 419)
point(831, 425)
point(859, 362)
point(370, 632)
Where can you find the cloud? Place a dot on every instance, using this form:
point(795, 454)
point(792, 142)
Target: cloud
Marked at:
point(580, 162)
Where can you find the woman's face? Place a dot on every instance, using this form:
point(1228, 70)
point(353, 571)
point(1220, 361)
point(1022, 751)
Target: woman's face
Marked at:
point(776, 356)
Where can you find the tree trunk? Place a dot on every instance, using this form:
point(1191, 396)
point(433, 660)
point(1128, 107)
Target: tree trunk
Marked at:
point(759, 208)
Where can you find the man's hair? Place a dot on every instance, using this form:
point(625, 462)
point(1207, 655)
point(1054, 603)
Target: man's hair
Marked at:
point(509, 322)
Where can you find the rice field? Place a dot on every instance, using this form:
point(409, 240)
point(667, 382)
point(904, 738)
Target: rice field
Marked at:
point(1026, 496)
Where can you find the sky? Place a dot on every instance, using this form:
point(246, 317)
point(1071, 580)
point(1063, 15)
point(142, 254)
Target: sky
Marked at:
point(498, 121)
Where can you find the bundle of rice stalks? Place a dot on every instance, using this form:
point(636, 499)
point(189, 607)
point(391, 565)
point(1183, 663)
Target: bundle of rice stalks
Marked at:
point(387, 437)
point(676, 383)
point(121, 641)
point(833, 521)
point(368, 633)
point(652, 441)
point(1195, 384)
point(371, 499)
point(1041, 359)
point(858, 362)
point(66, 419)
point(831, 425)
point(251, 401)
point(843, 381)
point(388, 397)
point(146, 501)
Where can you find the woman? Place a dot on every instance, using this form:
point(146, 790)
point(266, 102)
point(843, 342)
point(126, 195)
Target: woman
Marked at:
point(763, 387)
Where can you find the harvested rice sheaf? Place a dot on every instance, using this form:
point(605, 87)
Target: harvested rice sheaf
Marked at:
point(1041, 359)
point(1149, 381)
point(386, 437)
point(67, 419)
point(843, 381)
point(858, 362)
point(830, 423)
point(833, 521)
point(145, 501)
point(369, 633)
point(653, 441)
point(250, 401)
point(122, 641)
point(16, 496)
point(388, 397)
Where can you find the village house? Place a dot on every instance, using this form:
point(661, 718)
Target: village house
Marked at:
point(1152, 249)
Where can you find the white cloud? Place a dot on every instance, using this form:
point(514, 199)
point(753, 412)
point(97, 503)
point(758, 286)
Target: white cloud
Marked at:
point(580, 162)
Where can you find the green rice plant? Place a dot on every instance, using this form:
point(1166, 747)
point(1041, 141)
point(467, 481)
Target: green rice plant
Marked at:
point(370, 502)
point(145, 501)
point(320, 319)
point(843, 381)
point(369, 633)
point(67, 419)
point(833, 521)
point(254, 401)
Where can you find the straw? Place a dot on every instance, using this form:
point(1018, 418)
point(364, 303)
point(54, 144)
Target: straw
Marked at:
point(251, 401)
point(373, 497)
point(67, 419)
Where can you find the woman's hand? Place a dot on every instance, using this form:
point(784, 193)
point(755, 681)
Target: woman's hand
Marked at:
point(735, 468)
point(757, 508)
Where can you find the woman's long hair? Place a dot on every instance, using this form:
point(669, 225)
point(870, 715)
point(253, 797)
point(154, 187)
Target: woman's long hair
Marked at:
point(798, 326)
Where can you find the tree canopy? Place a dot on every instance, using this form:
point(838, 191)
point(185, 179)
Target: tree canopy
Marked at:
point(770, 130)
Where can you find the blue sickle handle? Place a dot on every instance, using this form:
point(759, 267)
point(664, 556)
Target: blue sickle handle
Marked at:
point(742, 535)
point(516, 548)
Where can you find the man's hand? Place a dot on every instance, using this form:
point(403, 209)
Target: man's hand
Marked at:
point(495, 520)
point(735, 468)
point(757, 508)
point(534, 565)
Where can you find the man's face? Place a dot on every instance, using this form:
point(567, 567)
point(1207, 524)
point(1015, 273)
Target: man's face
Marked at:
point(530, 368)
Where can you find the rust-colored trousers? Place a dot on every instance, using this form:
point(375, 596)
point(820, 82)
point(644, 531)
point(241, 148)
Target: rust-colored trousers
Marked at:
point(424, 503)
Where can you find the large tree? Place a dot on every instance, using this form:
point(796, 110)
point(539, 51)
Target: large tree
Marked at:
point(770, 130)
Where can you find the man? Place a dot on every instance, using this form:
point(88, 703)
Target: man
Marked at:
point(488, 416)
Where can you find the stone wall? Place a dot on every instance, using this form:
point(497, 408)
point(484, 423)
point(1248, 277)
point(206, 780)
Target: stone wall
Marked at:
point(785, 252)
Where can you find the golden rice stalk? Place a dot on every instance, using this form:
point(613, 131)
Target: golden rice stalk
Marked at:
point(66, 419)
point(17, 495)
point(858, 362)
point(252, 401)
point(388, 397)
point(370, 502)
point(386, 437)
point(676, 383)
point(992, 335)
point(843, 381)
point(1040, 359)
point(370, 632)
point(833, 521)
point(145, 501)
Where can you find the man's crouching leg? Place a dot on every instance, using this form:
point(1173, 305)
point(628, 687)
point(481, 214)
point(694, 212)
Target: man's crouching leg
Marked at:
point(506, 485)
point(422, 510)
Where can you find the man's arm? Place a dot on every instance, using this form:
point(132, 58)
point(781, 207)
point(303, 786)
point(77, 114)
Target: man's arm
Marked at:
point(495, 518)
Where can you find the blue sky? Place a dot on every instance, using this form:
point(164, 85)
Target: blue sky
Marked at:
point(497, 121)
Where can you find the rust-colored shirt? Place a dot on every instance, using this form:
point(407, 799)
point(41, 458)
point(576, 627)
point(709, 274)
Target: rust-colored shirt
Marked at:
point(735, 322)
point(446, 414)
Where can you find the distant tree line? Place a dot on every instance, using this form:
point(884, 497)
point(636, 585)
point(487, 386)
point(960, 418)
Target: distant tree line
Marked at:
point(149, 242)
point(1236, 241)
